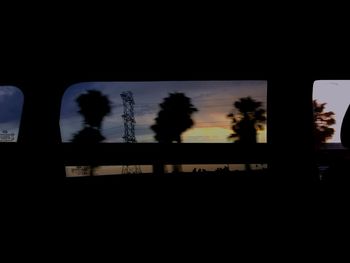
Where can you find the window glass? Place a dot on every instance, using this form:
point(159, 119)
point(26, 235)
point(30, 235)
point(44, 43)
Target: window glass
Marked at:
point(331, 100)
point(185, 169)
point(11, 103)
point(218, 169)
point(105, 170)
point(165, 111)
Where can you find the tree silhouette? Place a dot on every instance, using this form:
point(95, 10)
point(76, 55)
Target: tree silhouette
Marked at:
point(173, 119)
point(322, 121)
point(94, 106)
point(247, 118)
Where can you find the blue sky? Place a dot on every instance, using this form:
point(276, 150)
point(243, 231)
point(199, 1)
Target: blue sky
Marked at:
point(213, 99)
point(11, 103)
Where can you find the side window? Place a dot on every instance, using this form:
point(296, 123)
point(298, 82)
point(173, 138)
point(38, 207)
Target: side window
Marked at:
point(11, 104)
point(165, 111)
point(218, 169)
point(331, 99)
point(106, 170)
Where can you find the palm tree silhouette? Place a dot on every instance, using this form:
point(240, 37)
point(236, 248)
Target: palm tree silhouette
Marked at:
point(322, 121)
point(173, 119)
point(94, 106)
point(247, 118)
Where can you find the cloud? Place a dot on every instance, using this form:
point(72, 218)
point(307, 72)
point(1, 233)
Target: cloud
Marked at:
point(146, 109)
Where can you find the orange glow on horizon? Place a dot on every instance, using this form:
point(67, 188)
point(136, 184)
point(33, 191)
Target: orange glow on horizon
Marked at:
point(214, 135)
point(207, 134)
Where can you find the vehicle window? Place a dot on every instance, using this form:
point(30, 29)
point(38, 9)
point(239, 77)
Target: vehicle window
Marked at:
point(218, 169)
point(11, 103)
point(105, 170)
point(162, 112)
point(165, 111)
point(185, 169)
point(331, 99)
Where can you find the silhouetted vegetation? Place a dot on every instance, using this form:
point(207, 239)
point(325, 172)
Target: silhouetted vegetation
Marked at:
point(94, 106)
point(173, 119)
point(247, 118)
point(88, 135)
point(322, 121)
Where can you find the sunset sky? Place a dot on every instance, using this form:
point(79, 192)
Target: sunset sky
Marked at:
point(336, 93)
point(213, 99)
